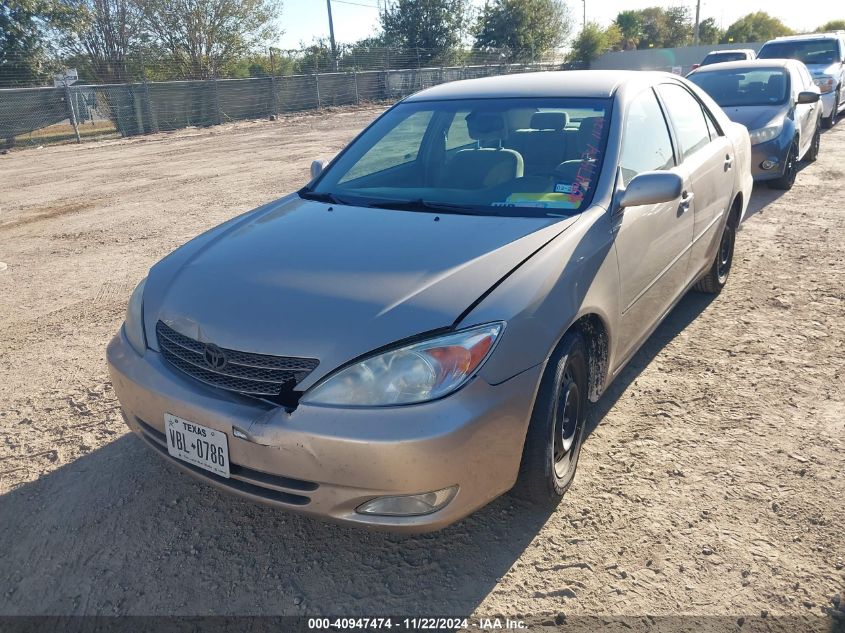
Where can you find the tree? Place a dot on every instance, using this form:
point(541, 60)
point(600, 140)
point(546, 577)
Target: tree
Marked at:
point(203, 36)
point(755, 27)
point(709, 32)
point(593, 40)
point(833, 25)
point(104, 32)
point(679, 27)
point(528, 29)
point(24, 40)
point(430, 30)
point(665, 28)
point(630, 24)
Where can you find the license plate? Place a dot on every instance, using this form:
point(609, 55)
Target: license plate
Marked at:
point(197, 444)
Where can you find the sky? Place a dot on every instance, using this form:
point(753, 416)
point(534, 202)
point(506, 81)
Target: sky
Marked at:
point(305, 20)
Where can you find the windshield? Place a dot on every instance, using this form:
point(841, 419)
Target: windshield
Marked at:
point(534, 157)
point(764, 86)
point(809, 51)
point(717, 58)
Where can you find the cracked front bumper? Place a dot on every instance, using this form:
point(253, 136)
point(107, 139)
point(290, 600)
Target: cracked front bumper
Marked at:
point(326, 461)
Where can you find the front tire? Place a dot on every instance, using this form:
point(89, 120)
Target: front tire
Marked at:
point(829, 122)
point(717, 276)
point(556, 431)
point(785, 182)
point(813, 153)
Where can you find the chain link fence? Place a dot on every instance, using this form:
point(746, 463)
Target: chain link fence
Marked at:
point(41, 115)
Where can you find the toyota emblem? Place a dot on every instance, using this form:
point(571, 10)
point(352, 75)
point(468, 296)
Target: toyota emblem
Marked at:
point(214, 357)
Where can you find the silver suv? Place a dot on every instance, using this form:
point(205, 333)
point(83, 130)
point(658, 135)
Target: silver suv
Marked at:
point(824, 55)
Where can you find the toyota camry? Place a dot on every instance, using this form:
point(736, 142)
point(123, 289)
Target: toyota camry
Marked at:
point(423, 326)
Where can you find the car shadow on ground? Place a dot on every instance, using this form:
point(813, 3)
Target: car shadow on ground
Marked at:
point(762, 197)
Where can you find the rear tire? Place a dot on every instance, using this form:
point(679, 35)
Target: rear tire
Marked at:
point(813, 153)
point(556, 431)
point(785, 182)
point(716, 278)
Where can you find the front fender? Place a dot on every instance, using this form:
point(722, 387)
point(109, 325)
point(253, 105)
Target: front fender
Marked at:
point(574, 275)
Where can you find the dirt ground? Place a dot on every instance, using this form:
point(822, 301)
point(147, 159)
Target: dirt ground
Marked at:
point(712, 481)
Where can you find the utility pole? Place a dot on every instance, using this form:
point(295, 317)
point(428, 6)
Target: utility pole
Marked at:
point(331, 33)
point(695, 34)
point(585, 14)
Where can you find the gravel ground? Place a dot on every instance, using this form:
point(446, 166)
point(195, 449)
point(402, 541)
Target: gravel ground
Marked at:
point(711, 484)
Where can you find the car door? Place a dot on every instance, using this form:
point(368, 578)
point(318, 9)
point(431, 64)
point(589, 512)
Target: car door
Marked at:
point(708, 158)
point(652, 241)
point(803, 113)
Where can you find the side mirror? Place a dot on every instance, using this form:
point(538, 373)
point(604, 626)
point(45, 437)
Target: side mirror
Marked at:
point(317, 167)
point(807, 96)
point(651, 187)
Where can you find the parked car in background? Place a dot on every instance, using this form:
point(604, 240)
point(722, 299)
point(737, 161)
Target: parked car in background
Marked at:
point(777, 101)
point(824, 56)
point(423, 325)
point(730, 55)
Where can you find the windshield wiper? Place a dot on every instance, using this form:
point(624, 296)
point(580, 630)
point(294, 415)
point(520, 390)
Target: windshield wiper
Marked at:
point(425, 205)
point(323, 197)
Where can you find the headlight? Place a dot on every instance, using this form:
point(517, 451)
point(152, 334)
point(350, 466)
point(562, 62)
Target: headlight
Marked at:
point(825, 84)
point(133, 325)
point(415, 373)
point(765, 134)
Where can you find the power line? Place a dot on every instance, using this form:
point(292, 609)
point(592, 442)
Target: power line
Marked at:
point(357, 4)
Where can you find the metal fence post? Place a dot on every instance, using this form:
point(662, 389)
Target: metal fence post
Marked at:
point(71, 112)
point(355, 77)
point(218, 116)
point(317, 85)
point(274, 97)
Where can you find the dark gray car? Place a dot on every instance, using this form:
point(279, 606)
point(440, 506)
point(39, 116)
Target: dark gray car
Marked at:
point(400, 341)
point(778, 102)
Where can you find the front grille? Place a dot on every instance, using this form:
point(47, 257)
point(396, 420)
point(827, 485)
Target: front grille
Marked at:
point(243, 372)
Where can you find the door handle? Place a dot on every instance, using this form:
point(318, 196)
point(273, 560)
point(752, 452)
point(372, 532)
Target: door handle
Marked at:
point(686, 199)
point(729, 161)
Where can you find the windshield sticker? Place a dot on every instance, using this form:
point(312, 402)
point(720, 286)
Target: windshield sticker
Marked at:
point(548, 200)
point(562, 187)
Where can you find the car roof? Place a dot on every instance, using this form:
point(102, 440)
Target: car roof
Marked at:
point(809, 36)
point(746, 63)
point(730, 50)
point(566, 83)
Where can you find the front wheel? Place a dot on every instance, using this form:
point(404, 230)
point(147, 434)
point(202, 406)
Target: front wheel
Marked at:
point(556, 431)
point(830, 121)
point(790, 170)
point(813, 153)
point(717, 276)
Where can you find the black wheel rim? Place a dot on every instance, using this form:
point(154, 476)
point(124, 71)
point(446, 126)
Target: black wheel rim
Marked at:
point(567, 425)
point(816, 142)
point(723, 264)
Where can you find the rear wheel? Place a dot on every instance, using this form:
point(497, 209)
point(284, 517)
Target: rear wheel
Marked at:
point(813, 153)
point(786, 181)
point(556, 430)
point(717, 276)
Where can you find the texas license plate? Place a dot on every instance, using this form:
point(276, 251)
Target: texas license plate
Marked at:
point(197, 444)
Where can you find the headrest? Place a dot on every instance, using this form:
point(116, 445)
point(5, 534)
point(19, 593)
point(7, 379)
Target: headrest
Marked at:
point(486, 126)
point(549, 120)
point(588, 126)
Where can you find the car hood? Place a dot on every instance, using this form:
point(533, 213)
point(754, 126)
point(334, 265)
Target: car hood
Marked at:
point(305, 279)
point(756, 116)
point(820, 70)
